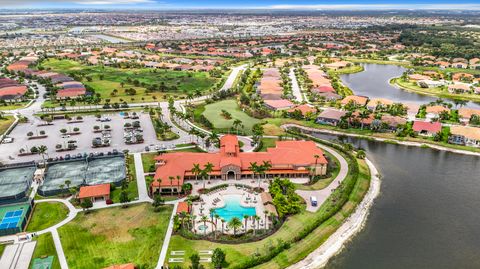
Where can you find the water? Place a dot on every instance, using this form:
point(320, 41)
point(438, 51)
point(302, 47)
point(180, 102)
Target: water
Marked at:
point(111, 39)
point(233, 208)
point(374, 83)
point(427, 215)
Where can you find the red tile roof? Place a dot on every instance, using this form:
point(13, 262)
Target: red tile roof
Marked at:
point(182, 207)
point(431, 127)
point(94, 191)
point(287, 155)
point(13, 90)
point(71, 92)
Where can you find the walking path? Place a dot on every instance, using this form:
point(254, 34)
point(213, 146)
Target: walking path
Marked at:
point(323, 194)
point(140, 174)
point(295, 88)
point(166, 240)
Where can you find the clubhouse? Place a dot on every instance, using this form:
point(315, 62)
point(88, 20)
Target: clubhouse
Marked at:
point(289, 159)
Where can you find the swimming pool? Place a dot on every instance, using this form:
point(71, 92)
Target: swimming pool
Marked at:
point(233, 208)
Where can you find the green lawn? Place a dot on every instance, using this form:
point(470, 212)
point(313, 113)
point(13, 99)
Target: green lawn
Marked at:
point(267, 143)
point(46, 215)
point(5, 122)
point(115, 236)
point(324, 182)
point(178, 83)
point(2, 248)
point(213, 112)
point(132, 189)
point(8, 106)
point(46, 247)
point(237, 255)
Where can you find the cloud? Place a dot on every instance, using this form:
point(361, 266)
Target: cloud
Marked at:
point(6, 3)
point(114, 2)
point(379, 6)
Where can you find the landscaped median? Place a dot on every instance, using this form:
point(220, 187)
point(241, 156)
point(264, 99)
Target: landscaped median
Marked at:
point(300, 234)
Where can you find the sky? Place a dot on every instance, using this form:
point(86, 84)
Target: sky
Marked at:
point(244, 4)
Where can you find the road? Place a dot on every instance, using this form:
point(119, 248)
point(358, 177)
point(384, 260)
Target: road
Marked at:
point(295, 87)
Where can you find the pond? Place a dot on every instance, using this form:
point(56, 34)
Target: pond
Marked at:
point(426, 215)
point(374, 83)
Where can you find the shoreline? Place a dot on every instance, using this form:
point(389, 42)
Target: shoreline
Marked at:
point(334, 245)
point(397, 142)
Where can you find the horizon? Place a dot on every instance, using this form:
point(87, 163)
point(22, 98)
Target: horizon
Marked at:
point(303, 5)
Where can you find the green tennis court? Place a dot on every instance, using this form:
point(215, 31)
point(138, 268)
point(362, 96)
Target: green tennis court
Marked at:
point(43, 263)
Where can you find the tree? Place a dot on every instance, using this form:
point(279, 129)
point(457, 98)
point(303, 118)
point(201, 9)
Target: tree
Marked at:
point(361, 154)
point(157, 200)
point(67, 183)
point(86, 204)
point(208, 168)
point(237, 123)
point(204, 219)
point(235, 223)
point(196, 170)
point(42, 150)
point(124, 199)
point(218, 258)
point(195, 261)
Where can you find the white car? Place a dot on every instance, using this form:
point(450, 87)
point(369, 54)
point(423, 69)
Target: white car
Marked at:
point(7, 140)
point(66, 136)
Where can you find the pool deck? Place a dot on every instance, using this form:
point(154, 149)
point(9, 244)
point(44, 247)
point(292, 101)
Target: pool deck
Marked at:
point(215, 200)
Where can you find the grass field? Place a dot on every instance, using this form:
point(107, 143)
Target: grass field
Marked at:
point(115, 236)
point(46, 247)
point(13, 106)
point(178, 83)
point(241, 253)
point(2, 249)
point(46, 215)
point(5, 122)
point(213, 112)
point(324, 182)
point(267, 143)
point(132, 189)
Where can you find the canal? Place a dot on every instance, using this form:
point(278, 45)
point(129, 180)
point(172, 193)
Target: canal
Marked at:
point(427, 215)
point(374, 83)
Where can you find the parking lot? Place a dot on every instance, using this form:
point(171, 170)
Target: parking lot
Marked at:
point(84, 139)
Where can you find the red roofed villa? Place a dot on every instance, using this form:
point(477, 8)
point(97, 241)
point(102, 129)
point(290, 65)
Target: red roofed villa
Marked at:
point(96, 192)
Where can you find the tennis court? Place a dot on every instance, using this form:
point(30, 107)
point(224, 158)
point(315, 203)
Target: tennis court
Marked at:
point(13, 218)
point(14, 182)
point(82, 172)
point(45, 263)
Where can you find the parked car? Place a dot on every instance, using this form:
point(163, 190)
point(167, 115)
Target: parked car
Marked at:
point(7, 140)
point(313, 200)
point(67, 157)
point(147, 148)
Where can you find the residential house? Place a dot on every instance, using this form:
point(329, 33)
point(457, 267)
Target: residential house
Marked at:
point(465, 114)
point(465, 135)
point(330, 117)
point(459, 88)
point(378, 102)
point(425, 128)
point(355, 99)
point(433, 112)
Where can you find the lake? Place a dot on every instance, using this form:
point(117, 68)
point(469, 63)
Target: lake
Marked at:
point(427, 215)
point(374, 83)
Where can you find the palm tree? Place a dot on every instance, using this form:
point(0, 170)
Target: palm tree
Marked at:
point(257, 221)
point(266, 165)
point(265, 212)
point(223, 222)
point(254, 168)
point(213, 137)
point(235, 223)
point(178, 186)
point(245, 218)
point(204, 219)
point(237, 123)
point(171, 184)
point(196, 170)
point(42, 150)
point(365, 114)
point(67, 183)
point(208, 168)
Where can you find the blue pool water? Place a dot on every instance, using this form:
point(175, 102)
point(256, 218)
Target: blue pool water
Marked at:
point(234, 209)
